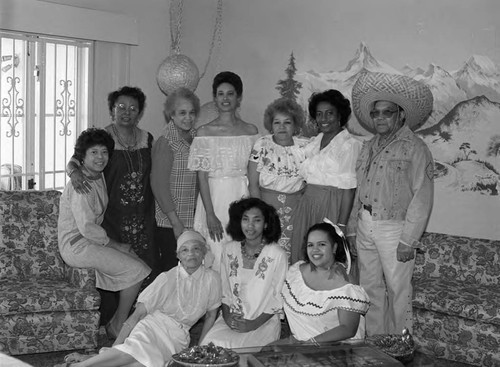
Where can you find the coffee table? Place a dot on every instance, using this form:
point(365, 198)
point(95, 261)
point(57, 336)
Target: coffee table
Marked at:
point(329, 354)
point(348, 355)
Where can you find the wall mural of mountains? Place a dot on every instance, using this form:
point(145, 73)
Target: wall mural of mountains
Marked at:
point(463, 133)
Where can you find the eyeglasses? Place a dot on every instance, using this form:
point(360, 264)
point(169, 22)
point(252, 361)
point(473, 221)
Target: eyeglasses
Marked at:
point(386, 114)
point(122, 108)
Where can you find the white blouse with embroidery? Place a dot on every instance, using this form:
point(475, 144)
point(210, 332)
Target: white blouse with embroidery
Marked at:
point(278, 165)
point(221, 155)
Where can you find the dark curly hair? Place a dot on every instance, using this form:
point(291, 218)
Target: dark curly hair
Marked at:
point(287, 107)
point(90, 138)
point(271, 233)
point(180, 93)
point(336, 99)
point(339, 255)
point(228, 77)
point(133, 92)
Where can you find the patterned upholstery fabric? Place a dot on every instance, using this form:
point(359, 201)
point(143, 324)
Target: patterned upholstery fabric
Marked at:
point(456, 299)
point(45, 305)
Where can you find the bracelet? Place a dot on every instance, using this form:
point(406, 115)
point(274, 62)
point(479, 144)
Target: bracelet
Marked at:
point(342, 225)
point(314, 341)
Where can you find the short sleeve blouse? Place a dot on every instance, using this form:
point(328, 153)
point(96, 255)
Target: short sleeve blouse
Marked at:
point(278, 165)
point(311, 312)
point(335, 164)
point(199, 293)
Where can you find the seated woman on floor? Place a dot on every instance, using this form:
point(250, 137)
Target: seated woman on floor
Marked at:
point(320, 303)
point(165, 311)
point(83, 243)
point(253, 268)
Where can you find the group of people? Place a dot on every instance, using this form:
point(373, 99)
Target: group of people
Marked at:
point(259, 224)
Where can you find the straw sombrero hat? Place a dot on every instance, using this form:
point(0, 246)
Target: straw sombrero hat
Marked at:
point(414, 97)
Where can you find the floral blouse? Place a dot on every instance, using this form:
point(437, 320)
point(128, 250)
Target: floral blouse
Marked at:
point(278, 165)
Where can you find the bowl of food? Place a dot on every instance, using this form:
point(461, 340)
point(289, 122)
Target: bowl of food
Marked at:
point(206, 356)
point(398, 346)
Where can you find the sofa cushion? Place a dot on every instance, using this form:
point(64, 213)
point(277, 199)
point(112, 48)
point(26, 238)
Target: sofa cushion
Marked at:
point(455, 338)
point(49, 331)
point(457, 298)
point(28, 235)
point(43, 296)
point(470, 260)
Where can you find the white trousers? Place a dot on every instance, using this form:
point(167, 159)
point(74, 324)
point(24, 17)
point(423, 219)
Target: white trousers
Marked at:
point(386, 280)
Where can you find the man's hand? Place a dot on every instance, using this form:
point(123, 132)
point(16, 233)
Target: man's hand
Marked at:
point(351, 240)
point(405, 253)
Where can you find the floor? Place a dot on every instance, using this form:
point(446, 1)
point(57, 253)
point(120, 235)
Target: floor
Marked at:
point(50, 359)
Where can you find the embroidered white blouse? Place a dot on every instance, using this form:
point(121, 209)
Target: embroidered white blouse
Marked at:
point(278, 165)
point(221, 155)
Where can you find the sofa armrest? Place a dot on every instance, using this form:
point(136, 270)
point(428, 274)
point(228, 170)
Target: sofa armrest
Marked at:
point(81, 278)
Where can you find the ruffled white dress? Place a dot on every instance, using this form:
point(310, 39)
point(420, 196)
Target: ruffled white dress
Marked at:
point(310, 312)
point(225, 158)
point(250, 292)
point(175, 301)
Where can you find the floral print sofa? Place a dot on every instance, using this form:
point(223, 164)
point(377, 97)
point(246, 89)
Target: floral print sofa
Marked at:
point(456, 302)
point(45, 305)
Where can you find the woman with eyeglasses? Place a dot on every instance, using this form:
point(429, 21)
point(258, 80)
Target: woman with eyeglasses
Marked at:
point(329, 168)
point(130, 215)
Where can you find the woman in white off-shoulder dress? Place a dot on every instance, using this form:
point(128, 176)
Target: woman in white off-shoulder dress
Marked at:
point(219, 153)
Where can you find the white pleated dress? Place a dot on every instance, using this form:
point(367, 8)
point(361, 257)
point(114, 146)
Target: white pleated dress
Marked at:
point(225, 158)
point(175, 301)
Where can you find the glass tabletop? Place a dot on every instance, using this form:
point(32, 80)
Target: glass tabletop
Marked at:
point(329, 354)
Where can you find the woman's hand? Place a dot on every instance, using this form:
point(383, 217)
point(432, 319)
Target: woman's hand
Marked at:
point(215, 229)
point(242, 325)
point(81, 185)
point(178, 229)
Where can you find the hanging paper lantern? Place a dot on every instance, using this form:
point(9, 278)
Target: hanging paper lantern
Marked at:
point(177, 71)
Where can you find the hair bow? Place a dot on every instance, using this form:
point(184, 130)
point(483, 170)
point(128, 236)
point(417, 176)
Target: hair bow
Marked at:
point(342, 236)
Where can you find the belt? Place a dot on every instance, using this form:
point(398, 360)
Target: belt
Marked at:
point(368, 208)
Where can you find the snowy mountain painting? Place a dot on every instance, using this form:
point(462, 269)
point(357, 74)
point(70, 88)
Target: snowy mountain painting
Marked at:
point(463, 133)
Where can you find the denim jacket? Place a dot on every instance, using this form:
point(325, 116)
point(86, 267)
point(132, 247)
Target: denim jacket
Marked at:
point(396, 180)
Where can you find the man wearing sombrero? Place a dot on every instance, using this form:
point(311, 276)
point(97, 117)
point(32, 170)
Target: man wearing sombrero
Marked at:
point(394, 196)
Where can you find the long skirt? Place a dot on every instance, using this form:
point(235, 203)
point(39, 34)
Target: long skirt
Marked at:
point(317, 203)
point(223, 191)
point(285, 205)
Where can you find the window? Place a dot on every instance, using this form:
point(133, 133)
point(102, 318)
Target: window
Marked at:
point(44, 105)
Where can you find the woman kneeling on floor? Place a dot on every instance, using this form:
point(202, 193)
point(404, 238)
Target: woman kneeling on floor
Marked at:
point(165, 311)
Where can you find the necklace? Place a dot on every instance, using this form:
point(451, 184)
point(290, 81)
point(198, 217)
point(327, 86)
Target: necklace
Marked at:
point(246, 255)
point(132, 187)
point(120, 141)
point(189, 295)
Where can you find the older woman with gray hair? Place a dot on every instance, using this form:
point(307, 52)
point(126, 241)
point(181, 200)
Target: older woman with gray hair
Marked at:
point(165, 311)
point(174, 185)
point(274, 163)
